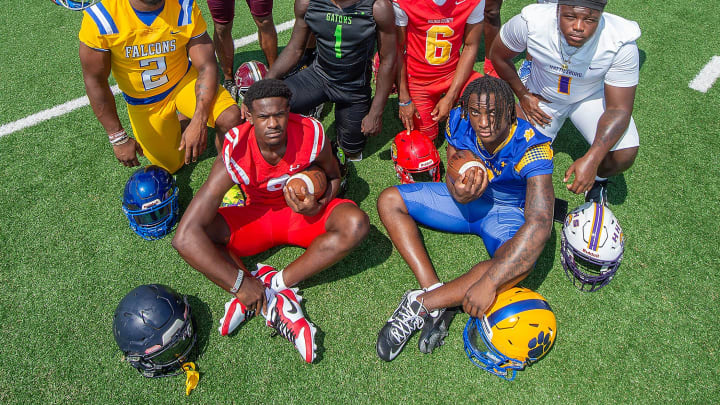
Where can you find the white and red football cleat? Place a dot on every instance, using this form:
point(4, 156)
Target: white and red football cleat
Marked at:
point(235, 314)
point(287, 318)
point(265, 273)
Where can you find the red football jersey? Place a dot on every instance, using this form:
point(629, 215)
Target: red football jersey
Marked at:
point(434, 35)
point(262, 182)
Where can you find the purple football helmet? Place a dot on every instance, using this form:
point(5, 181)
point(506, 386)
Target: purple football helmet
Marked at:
point(592, 246)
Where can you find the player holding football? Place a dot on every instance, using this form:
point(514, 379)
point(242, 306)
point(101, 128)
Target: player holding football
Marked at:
point(223, 13)
point(585, 67)
point(346, 32)
point(260, 155)
point(432, 70)
point(510, 207)
point(146, 44)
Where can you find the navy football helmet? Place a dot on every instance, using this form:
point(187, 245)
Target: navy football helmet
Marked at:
point(150, 202)
point(75, 5)
point(153, 327)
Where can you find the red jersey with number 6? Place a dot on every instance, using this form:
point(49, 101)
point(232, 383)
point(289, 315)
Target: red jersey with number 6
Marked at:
point(262, 182)
point(435, 35)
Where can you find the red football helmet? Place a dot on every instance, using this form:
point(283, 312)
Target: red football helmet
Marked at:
point(249, 73)
point(414, 153)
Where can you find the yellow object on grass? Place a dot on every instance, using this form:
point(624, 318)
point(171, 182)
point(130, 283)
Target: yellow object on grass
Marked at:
point(191, 377)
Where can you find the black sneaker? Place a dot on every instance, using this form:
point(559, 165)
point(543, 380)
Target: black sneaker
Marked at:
point(230, 86)
point(598, 193)
point(407, 319)
point(436, 329)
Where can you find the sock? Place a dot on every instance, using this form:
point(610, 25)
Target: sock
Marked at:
point(278, 283)
point(434, 286)
point(598, 178)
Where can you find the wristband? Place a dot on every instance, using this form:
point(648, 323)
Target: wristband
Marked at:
point(120, 141)
point(118, 138)
point(238, 281)
point(405, 104)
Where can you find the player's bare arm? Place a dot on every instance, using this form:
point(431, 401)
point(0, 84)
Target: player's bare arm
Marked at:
point(201, 234)
point(291, 54)
point(502, 58)
point(202, 54)
point(96, 70)
point(613, 122)
point(514, 260)
point(470, 186)
point(311, 206)
point(471, 42)
point(387, 47)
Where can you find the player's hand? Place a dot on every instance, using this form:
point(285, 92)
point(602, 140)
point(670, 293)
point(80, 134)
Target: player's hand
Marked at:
point(585, 171)
point(126, 153)
point(308, 207)
point(406, 114)
point(530, 104)
point(252, 294)
point(194, 140)
point(371, 124)
point(442, 109)
point(478, 298)
point(469, 186)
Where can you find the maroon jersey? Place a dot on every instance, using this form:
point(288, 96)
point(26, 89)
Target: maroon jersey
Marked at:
point(262, 182)
point(435, 36)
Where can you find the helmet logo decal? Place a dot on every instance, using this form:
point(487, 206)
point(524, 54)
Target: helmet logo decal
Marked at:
point(425, 164)
point(151, 203)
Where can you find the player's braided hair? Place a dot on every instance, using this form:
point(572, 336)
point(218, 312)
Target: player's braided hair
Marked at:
point(504, 98)
point(264, 89)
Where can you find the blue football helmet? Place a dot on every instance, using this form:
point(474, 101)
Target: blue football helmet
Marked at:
point(153, 327)
point(75, 5)
point(150, 202)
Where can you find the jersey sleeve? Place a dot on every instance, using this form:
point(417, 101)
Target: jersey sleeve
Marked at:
point(451, 127)
point(478, 14)
point(90, 34)
point(537, 160)
point(401, 17)
point(514, 34)
point(199, 24)
point(625, 68)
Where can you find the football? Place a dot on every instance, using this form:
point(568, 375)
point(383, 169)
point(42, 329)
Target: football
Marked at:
point(313, 179)
point(460, 162)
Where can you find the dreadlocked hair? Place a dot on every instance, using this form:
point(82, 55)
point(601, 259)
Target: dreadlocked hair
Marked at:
point(504, 98)
point(266, 88)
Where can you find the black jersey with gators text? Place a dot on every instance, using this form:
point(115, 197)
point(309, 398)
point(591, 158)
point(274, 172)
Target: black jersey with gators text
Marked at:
point(345, 41)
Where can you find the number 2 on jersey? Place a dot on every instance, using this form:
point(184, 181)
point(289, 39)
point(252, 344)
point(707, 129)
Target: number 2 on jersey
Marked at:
point(434, 43)
point(150, 77)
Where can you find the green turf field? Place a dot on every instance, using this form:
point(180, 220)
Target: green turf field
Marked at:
point(67, 255)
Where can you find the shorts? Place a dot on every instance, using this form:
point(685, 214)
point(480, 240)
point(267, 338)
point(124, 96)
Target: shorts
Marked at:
point(223, 11)
point(310, 89)
point(426, 94)
point(585, 116)
point(157, 128)
point(257, 228)
point(432, 205)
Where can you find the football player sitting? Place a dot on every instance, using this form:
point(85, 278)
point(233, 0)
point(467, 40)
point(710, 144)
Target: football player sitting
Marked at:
point(260, 155)
point(509, 205)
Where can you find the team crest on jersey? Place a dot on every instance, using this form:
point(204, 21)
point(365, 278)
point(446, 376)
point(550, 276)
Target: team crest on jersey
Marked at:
point(529, 134)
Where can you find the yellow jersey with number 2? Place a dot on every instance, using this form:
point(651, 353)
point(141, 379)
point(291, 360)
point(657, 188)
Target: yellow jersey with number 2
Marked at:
point(147, 60)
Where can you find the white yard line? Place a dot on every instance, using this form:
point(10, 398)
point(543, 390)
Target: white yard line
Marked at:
point(707, 76)
point(72, 105)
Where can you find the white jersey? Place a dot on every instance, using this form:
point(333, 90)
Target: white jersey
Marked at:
point(609, 57)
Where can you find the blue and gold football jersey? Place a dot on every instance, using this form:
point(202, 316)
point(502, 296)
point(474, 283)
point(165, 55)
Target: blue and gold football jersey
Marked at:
point(524, 153)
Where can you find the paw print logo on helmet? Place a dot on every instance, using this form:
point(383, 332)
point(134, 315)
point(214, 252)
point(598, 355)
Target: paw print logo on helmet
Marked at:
point(516, 331)
point(415, 157)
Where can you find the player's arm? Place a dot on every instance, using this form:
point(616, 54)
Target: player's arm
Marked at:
point(290, 56)
point(96, 70)
point(194, 239)
point(311, 206)
point(469, 186)
point(471, 42)
point(405, 112)
point(612, 124)
point(387, 48)
point(202, 54)
point(515, 258)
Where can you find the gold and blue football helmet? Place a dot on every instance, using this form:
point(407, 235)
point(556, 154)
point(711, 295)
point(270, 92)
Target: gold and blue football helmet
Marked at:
point(75, 5)
point(518, 330)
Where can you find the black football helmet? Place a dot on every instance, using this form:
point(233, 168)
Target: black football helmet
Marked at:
point(154, 329)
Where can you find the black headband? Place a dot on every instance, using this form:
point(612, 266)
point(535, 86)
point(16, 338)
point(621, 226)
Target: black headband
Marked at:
point(593, 4)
